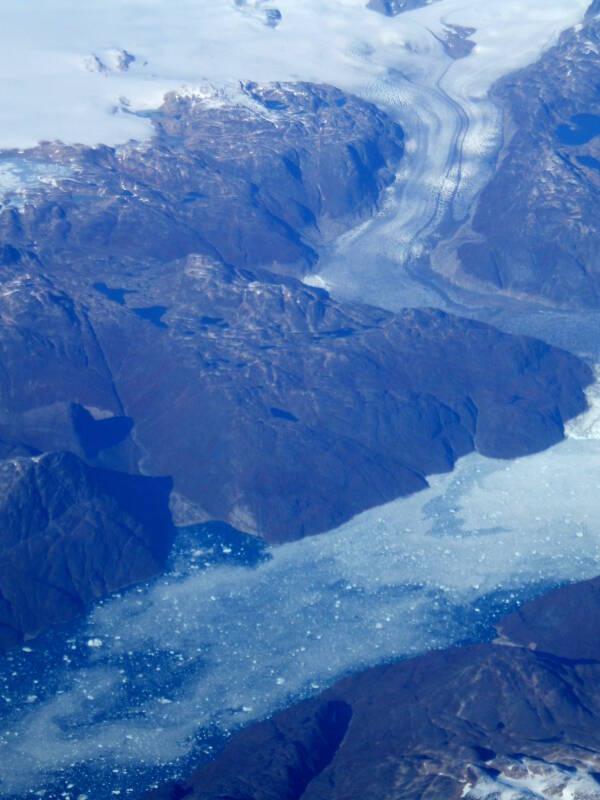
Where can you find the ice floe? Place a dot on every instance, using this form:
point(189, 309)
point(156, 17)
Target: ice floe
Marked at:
point(216, 643)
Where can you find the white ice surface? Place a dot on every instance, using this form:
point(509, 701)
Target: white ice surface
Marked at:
point(587, 425)
point(225, 645)
point(19, 177)
point(393, 582)
point(534, 780)
point(46, 92)
point(60, 79)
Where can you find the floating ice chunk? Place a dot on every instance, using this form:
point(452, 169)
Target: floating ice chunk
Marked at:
point(234, 643)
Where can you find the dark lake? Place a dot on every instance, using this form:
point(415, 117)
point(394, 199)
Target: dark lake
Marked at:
point(581, 129)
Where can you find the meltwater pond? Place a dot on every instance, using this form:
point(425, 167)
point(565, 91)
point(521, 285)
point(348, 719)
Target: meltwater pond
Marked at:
point(154, 677)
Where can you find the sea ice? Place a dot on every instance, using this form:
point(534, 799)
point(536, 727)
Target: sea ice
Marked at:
point(204, 650)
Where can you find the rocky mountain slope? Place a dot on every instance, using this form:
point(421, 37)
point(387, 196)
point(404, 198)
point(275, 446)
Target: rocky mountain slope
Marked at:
point(70, 534)
point(285, 413)
point(135, 336)
point(273, 407)
point(534, 232)
point(516, 718)
point(260, 180)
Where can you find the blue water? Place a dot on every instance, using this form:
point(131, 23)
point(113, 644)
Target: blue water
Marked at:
point(154, 678)
point(589, 161)
point(581, 129)
point(153, 314)
point(114, 293)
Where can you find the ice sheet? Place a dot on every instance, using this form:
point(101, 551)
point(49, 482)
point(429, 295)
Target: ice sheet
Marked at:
point(50, 89)
point(66, 73)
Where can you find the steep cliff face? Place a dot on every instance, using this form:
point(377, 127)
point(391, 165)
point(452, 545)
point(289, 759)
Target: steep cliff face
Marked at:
point(70, 534)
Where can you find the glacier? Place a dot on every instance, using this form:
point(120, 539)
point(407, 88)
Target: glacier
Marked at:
point(72, 83)
point(155, 677)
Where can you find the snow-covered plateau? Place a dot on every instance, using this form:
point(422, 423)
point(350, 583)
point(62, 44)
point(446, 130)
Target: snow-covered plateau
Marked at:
point(83, 75)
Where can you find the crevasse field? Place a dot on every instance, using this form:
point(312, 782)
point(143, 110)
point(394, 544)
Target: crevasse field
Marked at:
point(51, 87)
point(155, 676)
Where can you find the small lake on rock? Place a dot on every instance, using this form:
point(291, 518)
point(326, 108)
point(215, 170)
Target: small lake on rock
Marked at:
point(581, 129)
